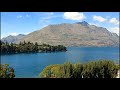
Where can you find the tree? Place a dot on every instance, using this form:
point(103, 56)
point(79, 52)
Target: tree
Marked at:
point(27, 47)
point(24, 42)
point(77, 72)
point(98, 69)
point(6, 71)
point(20, 43)
point(36, 47)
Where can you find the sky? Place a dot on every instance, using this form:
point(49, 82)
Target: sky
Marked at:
point(14, 23)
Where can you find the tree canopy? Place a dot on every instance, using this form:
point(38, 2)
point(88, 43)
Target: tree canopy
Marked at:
point(98, 69)
point(28, 47)
point(6, 71)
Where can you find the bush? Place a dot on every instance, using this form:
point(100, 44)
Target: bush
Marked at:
point(77, 70)
point(50, 71)
point(98, 69)
point(6, 71)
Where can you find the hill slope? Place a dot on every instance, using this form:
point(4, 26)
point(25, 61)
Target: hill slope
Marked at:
point(77, 34)
point(12, 39)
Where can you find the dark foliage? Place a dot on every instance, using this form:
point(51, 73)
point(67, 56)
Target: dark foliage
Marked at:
point(98, 69)
point(28, 47)
point(6, 71)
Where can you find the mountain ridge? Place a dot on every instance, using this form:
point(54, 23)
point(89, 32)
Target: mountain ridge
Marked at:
point(77, 34)
point(12, 39)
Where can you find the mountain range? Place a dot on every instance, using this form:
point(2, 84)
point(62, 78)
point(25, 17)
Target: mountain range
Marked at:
point(12, 39)
point(76, 34)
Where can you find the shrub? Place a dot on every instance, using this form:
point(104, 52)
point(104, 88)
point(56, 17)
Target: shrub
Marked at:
point(98, 69)
point(6, 71)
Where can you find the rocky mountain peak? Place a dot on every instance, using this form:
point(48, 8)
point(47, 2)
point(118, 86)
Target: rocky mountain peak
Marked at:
point(84, 23)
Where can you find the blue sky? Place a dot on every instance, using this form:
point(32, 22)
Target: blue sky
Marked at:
point(14, 23)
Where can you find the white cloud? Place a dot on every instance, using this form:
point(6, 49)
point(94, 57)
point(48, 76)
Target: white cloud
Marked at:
point(13, 34)
point(19, 16)
point(96, 24)
point(46, 19)
point(2, 36)
point(48, 13)
point(114, 30)
point(51, 13)
point(114, 21)
point(27, 15)
point(74, 16)
point(26, 33)
point(99, 18)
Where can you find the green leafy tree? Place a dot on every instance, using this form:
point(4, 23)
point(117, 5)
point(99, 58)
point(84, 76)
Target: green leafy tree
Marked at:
point(78, 68)
point(6, 71)
point(28, 47)
point(98, 69)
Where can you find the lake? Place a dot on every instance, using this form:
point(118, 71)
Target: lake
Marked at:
point(30, 65)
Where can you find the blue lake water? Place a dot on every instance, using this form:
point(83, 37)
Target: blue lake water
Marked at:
point(30, 65)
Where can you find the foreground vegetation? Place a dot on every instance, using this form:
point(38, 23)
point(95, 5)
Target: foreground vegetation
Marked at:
point(97, 69)
point(6, 71)
point(28, 47)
